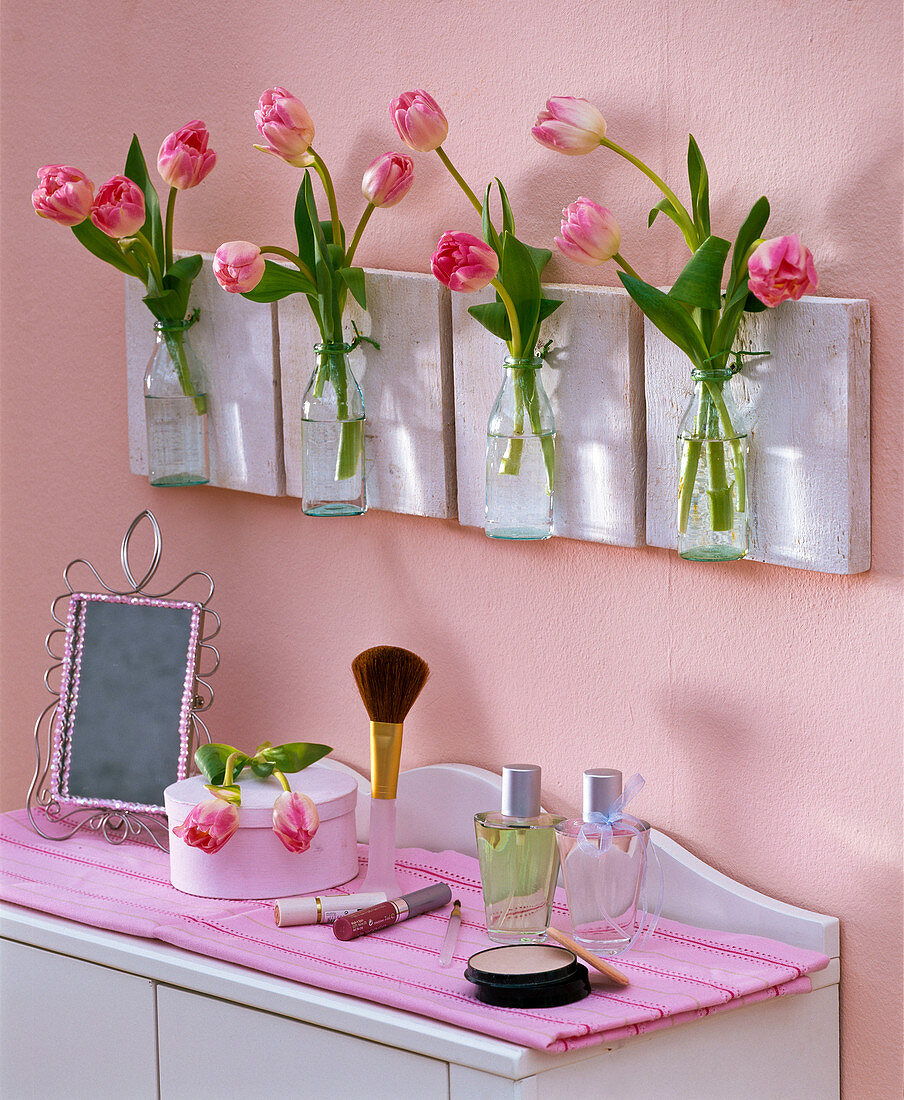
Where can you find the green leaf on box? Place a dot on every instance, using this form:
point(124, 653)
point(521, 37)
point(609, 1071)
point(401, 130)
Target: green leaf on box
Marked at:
point(296, 756)
point(211, 761)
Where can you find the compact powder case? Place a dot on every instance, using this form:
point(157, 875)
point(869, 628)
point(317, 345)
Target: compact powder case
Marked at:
point(529, 975)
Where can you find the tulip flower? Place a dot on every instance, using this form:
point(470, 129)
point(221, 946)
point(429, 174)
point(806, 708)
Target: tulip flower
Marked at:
point(781, 269)
point(419, 120)
point(590, 234)
point(464, 262)
point(283, 121)
point(64, 194)
point(238, 266)
point(184, 159)
point(569, 125)
point(209, 825)
point(388, 179)
point(118, 208)
point(295, 820)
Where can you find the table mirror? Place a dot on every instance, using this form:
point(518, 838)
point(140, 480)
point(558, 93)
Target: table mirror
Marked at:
point(125, 718)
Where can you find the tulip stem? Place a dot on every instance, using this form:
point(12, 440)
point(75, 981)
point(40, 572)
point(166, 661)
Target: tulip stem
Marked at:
point(624, 265)
point(279, 775)
point(365, 217)
point(139, 241)
point(327, 182)
point(168, 231)
point(286, 254)
point(230, 768)
point(687, 224)
point(459, 179)
point(515, 345)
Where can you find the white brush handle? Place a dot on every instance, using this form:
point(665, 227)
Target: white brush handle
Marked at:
point(381, 873)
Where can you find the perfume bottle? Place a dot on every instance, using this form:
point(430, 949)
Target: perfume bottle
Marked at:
point(604, 859)
point(519, 861)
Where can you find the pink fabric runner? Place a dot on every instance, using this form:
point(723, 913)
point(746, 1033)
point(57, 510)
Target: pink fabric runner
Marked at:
point(682, 974)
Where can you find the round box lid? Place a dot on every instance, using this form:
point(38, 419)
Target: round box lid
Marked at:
point(334, 793)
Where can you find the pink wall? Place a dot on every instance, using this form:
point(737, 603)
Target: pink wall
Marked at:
point(762, 704)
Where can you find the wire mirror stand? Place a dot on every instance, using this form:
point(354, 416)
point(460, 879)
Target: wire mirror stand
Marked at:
point(115, 823)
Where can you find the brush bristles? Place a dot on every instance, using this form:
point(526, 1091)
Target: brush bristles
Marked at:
point(389, 679)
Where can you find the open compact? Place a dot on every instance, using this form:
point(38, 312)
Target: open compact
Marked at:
point(529, 975)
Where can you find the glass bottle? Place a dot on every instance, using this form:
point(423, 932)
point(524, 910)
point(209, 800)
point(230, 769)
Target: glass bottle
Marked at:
point(521, 440)
point(603, 883)
point(175, 407)
point(712, 473)
point(332, 437)
point(519, 862)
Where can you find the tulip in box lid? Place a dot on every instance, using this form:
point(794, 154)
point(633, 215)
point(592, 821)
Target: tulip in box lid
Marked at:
point(255, 862)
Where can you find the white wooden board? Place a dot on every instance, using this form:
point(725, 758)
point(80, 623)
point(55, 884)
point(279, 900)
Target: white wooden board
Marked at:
point(407, 386)
point(235, 340)
point(594, 378)
point(807, 413)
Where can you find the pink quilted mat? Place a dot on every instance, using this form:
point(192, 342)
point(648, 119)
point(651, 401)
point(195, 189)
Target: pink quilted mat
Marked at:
point(682, 974)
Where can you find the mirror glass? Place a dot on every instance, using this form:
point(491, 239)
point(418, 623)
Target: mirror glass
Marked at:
point(122, 729)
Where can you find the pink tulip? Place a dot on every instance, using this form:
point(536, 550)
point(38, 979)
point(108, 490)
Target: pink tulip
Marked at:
point(64, 194)
point(780, 269)
point(284, 122)
point(238, 266)
point(184, 159)
point(590, 234)
point(419, 120)
point(118, 209)
point(464, 262)
point(388, 179)
point(209, 824)
point(295, 820)
point(569, 125)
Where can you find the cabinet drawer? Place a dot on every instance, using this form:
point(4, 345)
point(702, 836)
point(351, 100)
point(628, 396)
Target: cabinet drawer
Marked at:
point(211, 1049)
point(71, 1028)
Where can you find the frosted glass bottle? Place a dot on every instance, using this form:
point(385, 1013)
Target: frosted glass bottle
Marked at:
point(519, 861)
point(175, 407)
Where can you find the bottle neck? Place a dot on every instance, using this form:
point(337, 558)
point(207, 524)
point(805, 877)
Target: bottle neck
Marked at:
point(532, 362)
point(331, 352)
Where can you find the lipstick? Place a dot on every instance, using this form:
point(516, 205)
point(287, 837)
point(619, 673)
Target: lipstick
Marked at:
point(392, 912)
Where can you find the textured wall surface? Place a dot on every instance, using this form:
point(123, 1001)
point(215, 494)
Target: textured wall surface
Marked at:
point(762, 704)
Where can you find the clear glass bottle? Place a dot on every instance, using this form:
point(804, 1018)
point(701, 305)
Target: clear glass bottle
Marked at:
point(713, 491)
point(519, 861)
point(521, 441)
point(602, 884)
point(332, 437)
point(175, 407)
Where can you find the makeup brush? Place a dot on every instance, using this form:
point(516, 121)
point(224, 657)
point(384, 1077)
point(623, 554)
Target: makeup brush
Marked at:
point(389, 679)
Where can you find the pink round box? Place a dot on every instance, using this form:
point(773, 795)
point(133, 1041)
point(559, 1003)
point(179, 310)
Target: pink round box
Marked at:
point(254, 863)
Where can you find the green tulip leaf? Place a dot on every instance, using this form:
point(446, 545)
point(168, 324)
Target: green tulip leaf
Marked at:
point(489, 230)
point(664, 206)
point(493, 317)
point(669, 316)
point(700, 283)
point(171, 305)
point(508, 218)
point(548, 306)
point(211, 761)
point(137, 171)
point(752, 304)
point(296, 756)
point(750, 231)
point(698, 178)
point(303, 231)
point(353, 277)
point(518, 274)
point(326, 227)
point(106, 249)
point(187, 268)
point(262, 768)
point(278, 282)
point(540, 257)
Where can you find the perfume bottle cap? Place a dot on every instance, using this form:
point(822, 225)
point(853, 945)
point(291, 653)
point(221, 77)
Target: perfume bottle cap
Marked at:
point(601, 788)
point(521, 790)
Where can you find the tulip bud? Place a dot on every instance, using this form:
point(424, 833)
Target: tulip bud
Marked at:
point(590, 234)
point(209, 825)
point(184, 159)
point(464, 262)
point(283, 121)
point(569, 125)
point(781, 269)
point(64, 194)
point(118, 208)
point(238, 266)
point(419, 120)
point(388, 179)
point(295, 820)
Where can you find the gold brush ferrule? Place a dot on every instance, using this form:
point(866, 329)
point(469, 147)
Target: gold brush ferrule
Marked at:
point(385, 758)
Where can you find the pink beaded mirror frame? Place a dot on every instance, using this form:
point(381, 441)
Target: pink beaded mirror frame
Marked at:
point(125, 718)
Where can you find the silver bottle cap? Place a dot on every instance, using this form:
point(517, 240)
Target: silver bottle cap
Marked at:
point(601, 788)
point(521, 790)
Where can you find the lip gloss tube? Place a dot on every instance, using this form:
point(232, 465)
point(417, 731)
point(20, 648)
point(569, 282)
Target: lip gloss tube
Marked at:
point(392, 912)
point(325, 910)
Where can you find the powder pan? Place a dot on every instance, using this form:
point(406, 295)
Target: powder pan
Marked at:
point(528, 976)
